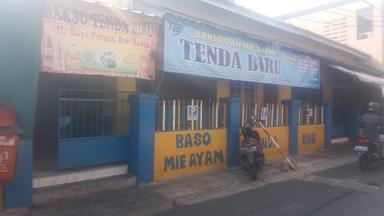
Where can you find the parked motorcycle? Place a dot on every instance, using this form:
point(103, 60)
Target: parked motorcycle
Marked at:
point(371, 152)
point(252, 156)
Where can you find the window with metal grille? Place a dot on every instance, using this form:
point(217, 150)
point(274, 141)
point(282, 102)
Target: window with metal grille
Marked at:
point(270, 93)
point(364, 20)
point(245, 90)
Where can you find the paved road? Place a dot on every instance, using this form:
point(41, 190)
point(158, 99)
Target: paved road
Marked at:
point(343, 190)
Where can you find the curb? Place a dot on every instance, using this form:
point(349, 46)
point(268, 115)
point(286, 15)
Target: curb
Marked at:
point(47, 195)
point(270, 178)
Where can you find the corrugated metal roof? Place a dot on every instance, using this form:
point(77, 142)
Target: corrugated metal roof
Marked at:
point(284, 26)
point(231, 17)
point(316, 9)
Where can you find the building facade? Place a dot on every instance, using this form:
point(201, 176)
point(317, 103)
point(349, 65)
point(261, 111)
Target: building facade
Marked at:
point(358, 24)
point(162, 92)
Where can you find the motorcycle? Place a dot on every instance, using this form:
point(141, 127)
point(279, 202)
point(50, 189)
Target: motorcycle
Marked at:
point(252, 156)
point(371, 152)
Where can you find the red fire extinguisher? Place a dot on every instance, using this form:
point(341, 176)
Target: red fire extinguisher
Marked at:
point(9, 140)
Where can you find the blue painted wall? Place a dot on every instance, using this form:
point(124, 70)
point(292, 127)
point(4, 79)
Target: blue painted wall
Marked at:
point(142, 132)
point(19, 191)
point(293, 121)
point(328, 124)
point(340, 129)
point(340, 113)
point(20, 24)
point(233, 130)
point(353, 122)
point(92, 151)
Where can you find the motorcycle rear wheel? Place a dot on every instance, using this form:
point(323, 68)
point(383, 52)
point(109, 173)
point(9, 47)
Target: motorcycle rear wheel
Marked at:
point(364, 162)
point(253, 170)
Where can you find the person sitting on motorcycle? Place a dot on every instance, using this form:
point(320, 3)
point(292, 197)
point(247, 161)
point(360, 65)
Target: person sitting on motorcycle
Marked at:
point(372, 123)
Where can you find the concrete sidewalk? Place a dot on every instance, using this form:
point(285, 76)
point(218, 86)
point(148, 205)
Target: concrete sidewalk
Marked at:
point(192, 189)
point(156, 197)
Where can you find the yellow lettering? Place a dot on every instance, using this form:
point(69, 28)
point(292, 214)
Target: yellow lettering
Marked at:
point(196, 33)
point(210, 37)
point(203, 36)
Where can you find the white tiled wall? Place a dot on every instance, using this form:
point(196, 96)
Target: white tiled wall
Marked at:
point(78, 176)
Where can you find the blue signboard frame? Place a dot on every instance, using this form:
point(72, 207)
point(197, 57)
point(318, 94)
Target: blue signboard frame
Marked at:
point(203, 50)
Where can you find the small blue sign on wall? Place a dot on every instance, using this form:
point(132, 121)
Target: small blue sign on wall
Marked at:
point(192, 112)
point(264, 114)
point(203, 50)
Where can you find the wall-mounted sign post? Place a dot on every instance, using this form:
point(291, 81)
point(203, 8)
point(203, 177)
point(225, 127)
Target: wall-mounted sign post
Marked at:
point(309, 112)
point(264, 114)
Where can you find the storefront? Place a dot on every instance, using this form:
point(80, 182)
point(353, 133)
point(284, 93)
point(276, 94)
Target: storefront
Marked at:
point(353, 88)
point(91, 59)
point(103, 101)
point(203, 67)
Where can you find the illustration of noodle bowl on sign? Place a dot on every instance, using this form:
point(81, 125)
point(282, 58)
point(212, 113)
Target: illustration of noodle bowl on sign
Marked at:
point(109, 59)
point(147, 67)
point(72, 57)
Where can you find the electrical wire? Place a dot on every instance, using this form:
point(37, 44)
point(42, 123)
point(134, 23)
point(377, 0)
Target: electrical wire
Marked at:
point(353, 16)
point(372, 5)
point(353, 12)
point(330, 23)
point(159, 86)
point(341, 14)
point(379, 23)
point(345, 10)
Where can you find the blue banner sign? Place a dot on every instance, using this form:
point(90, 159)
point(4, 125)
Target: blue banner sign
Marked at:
point(199, 49)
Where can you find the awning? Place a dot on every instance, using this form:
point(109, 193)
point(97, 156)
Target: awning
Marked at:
point(379, 81)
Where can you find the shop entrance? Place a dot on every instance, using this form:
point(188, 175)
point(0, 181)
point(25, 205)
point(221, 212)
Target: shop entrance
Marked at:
point(92, 127)
point(181, 86)
point(81, 122)
point(350, 94)
point(178, 92)
point(191, 134)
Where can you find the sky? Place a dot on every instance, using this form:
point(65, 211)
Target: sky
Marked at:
point(279, 7)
